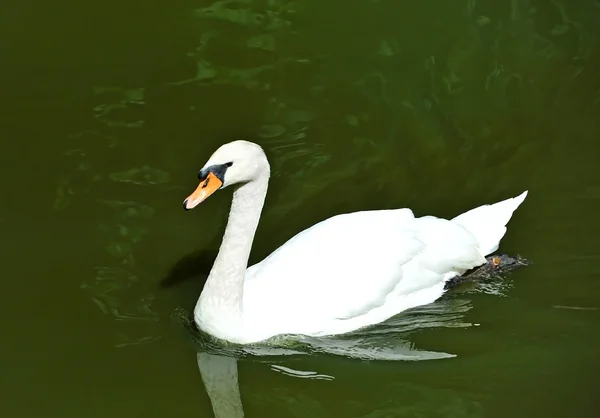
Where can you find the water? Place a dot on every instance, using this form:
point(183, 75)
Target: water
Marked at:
point(109, 110)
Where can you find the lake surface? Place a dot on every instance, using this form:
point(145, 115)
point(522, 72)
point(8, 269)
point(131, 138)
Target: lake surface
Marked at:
point(110, 109)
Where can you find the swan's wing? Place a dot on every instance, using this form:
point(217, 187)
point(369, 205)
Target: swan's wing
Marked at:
point(350, 264)
point(337, 268)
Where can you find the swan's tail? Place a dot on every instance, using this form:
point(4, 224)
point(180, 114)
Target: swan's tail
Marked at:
point(488, 222)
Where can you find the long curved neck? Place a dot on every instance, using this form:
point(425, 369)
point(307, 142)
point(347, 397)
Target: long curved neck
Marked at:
point(220, 304)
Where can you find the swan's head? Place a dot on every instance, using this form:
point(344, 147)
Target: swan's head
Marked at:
point(233, 163)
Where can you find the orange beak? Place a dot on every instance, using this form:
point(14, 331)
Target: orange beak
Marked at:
point(206, 187)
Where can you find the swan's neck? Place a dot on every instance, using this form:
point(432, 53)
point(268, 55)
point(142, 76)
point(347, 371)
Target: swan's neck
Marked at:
point(219, 308)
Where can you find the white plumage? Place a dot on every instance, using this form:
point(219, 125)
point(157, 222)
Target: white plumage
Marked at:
point(342, 274)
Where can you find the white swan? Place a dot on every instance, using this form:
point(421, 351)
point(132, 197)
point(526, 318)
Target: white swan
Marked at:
point(344, 273)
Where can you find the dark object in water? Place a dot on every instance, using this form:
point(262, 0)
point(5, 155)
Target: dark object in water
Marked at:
point(496, 266)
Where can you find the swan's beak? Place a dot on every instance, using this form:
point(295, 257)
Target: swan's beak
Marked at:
point(206, 187)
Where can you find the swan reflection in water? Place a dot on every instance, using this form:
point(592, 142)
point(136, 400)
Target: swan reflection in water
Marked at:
point(218, 364)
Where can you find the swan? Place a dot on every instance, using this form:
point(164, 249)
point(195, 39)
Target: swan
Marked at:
point(342, 274)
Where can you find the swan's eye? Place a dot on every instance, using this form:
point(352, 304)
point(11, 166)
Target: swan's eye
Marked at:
point(229, 164)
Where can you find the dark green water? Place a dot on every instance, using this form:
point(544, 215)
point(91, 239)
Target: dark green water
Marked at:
point(110, 108)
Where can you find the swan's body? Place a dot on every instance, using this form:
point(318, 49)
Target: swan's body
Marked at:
point(342, 274)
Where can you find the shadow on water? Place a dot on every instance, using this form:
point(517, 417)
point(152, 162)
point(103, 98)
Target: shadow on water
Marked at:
point(193, 266)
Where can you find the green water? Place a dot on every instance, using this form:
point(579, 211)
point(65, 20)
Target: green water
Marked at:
point(110, 108)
